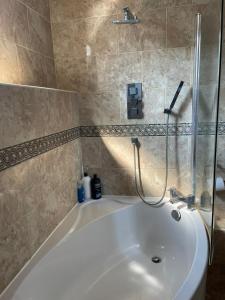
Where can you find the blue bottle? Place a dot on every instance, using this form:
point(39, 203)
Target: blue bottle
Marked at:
point(80, 192)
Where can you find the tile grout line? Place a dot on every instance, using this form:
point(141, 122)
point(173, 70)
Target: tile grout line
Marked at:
point(31, 8)
point(28, 49)
point(118, 12)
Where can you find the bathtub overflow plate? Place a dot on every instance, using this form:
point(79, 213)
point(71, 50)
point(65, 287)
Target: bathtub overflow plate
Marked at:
point(156, 260)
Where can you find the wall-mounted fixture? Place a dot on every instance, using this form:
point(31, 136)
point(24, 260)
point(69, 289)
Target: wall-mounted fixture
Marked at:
point(128, 17)
point(134, 101)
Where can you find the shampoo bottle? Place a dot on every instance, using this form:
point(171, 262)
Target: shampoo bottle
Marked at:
point(87, 186)
point(96, 187)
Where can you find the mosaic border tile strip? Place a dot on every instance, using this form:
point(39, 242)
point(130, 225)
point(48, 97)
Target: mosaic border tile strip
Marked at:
point(221, 128)
point(135, 130)
point(204, 128)
point(14, 155)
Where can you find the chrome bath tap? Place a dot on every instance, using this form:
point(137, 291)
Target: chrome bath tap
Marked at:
point(176, 196)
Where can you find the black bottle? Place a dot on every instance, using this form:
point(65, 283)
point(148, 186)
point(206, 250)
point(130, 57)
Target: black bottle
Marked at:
point(96, 187)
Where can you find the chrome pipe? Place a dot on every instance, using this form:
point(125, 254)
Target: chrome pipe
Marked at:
point(195, 100)
point(121, 22)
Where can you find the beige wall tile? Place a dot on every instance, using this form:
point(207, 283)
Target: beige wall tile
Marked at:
point(180, 28)
point(20, 25)
point(166, 67)
point(50, 72)
point(102, 30)
point(150, 33)
point(114, 71)
point(91, 36)
point(117, 152)
point(153, 181)
point(31, 67)
point(179, 66)
point(10, 71)
point(103, 7)
point(92, 107)
point(152, 152)
point(135, 6)
point(63, 111)
point(63, 34)
point(165, 3)
point(41, 6)
point(40, 34)
point(154, 65)
point(70, 9)
point(92, 153)
point(25, 26)
point(118, 182)
point(71, 73)
point(34, 198)
point(80, 9)
point(181, 24)
point(29, 113)
point(14, 251)
point(75, 111)
point(6, 18)
point(61, 11)
point(22, 115)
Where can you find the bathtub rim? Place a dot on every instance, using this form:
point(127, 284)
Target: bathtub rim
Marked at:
point(196, 276)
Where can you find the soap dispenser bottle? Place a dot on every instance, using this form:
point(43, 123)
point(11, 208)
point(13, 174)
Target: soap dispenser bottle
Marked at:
point(96, 187)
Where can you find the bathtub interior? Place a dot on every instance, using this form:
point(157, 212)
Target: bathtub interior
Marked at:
point(111, 258)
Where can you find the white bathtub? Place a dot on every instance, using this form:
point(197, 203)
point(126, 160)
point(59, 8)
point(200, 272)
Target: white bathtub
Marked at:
point(111, 257)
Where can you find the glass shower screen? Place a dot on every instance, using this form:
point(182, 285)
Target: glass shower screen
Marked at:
point(205, 106)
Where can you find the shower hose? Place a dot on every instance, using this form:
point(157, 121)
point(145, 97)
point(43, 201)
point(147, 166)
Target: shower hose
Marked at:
point(139, 193)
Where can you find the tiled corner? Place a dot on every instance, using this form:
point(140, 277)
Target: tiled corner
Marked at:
point(34, 198)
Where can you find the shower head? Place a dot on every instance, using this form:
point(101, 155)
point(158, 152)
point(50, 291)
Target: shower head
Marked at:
point(128, 17)
point(169, 110)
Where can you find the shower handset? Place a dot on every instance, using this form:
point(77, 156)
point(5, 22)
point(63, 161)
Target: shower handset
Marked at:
point(169, 110)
